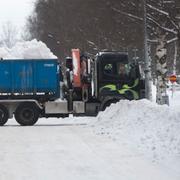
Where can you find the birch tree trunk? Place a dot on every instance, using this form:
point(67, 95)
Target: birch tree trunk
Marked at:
point(161, 70)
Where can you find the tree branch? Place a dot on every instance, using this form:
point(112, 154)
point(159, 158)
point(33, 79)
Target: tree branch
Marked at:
point(158, 10)
point(127, 14)
point(172, 40)
point(152, 41)
point(164, 28)
point(164, 13)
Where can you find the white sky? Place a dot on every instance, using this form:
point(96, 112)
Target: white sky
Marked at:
point(15, 11)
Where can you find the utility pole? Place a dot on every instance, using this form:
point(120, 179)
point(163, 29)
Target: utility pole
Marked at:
point(148, 89)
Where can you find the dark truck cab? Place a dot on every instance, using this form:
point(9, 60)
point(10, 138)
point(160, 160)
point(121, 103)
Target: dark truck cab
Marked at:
point(110, 87)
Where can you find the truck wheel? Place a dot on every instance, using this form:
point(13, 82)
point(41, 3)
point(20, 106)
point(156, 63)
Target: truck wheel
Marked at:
point(27, 114)
point(4, 115)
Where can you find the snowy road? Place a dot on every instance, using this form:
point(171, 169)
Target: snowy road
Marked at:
point(60, 150)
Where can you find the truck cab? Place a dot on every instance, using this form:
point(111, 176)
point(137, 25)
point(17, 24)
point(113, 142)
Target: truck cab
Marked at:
point(111, 85)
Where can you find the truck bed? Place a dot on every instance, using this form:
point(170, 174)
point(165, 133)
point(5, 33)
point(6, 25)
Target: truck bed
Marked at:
point(37, 78)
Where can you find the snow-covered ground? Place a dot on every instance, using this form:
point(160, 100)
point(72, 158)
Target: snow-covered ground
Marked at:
point(131, 140)
point(70, 150)
point(149, 129)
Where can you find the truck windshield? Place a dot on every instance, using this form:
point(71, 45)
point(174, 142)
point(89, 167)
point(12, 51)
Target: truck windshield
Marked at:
point(117, 70)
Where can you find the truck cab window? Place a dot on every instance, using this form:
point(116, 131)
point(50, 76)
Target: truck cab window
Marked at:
point(116, 71)
point(108, 69)
point(123, 69)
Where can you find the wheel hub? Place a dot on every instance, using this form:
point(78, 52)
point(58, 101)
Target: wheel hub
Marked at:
point(27, 114)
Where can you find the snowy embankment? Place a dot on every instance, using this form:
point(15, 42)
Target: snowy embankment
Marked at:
point(146, 127)
point(27, 50)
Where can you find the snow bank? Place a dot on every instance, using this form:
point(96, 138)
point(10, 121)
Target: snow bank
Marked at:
point(151, 129)
point(27, 50)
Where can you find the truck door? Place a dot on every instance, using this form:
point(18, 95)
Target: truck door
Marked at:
point(118, 79)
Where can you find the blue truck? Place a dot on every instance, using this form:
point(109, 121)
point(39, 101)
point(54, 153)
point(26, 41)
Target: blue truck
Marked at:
point(33, 88)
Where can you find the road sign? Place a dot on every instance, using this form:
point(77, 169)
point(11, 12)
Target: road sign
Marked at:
point(173, 78)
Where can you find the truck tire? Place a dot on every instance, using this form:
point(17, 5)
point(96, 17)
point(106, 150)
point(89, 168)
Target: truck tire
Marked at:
point(27, 114)
point(4, 115)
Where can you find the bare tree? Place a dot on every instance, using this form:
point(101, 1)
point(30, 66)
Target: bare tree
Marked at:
point(163, 29)
point(90, 25)
point(8, 35)
point(25, 34)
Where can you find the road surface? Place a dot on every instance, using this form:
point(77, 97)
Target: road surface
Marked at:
point(69, 150)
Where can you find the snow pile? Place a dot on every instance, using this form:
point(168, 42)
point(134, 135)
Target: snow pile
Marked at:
point(151, 129)
point(27, 50)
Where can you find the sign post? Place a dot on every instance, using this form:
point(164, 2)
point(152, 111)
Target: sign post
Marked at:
point(173, 79)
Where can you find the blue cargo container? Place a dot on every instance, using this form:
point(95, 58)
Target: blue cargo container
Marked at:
point(29, 77)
